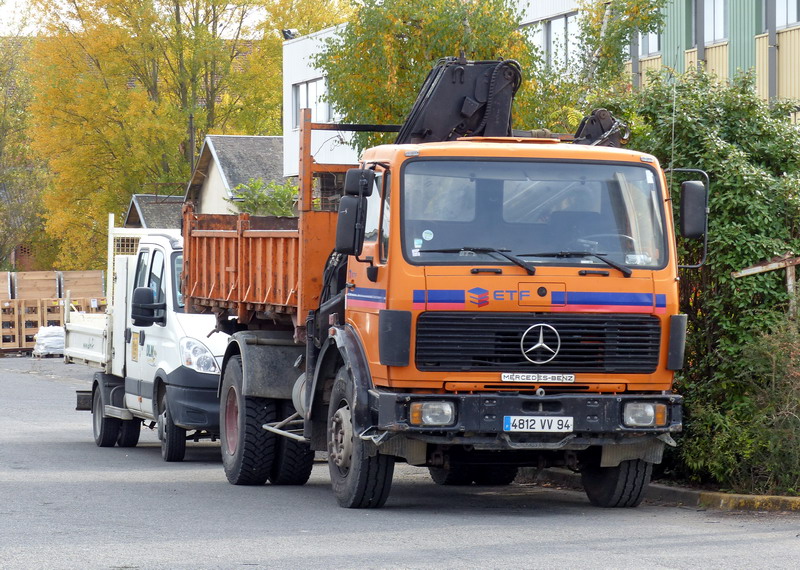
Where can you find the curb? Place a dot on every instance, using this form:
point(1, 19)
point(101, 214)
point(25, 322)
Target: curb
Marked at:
point(670, 495)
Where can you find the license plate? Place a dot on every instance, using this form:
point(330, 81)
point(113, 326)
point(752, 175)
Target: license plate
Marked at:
point(537, 378)
point(538, 423)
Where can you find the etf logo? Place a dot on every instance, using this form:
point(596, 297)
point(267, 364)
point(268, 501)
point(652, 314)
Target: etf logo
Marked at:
point(479, 296)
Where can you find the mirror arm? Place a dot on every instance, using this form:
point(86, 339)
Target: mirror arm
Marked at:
point(704, 174)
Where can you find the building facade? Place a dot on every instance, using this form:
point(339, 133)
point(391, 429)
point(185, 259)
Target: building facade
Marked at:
point(724, 36)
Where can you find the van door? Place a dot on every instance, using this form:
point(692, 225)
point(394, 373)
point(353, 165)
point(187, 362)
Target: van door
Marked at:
point(133, 338)
point(157, 342)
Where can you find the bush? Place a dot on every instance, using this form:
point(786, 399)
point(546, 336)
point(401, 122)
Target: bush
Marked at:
point(739, 408)
point(270, 199)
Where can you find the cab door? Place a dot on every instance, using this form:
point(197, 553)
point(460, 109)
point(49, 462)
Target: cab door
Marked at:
point(158, 341)
point(133, 337)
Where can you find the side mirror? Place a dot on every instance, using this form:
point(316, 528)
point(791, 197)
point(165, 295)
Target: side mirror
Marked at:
point(350, 225)
point(144, 307)
point(694, 219)
point(359, 182)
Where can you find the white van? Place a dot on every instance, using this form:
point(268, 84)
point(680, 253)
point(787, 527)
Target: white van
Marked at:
point(160, 365)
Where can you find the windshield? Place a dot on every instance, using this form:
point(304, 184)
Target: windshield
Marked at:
point(558, 210)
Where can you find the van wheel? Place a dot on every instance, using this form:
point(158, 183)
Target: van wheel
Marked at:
point(293, 459)
point(248, 450)
point(105, 430)
point(494, 475)
point(620, 486)
point(173, 438)
point(129, 432)
point(458, 475)
point(359, 480)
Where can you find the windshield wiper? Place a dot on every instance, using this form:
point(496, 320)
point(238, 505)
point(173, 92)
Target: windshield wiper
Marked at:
point(626, 271)
point(501, 252)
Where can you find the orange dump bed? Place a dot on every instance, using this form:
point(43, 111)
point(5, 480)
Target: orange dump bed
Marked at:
point(254, 267)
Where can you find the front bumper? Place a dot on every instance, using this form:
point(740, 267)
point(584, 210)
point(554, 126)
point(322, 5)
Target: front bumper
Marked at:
point(596, 419)
point(193, 400)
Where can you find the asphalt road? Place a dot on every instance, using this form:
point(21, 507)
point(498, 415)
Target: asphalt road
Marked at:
point(65, 503)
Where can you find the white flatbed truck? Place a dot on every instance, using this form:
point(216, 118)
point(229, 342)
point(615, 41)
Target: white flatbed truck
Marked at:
point(159, 365)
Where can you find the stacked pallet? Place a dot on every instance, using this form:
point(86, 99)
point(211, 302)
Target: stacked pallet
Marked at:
point(9, 324)
point(30, 300)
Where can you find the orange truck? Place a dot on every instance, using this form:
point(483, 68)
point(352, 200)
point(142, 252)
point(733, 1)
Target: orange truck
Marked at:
point(471, 306)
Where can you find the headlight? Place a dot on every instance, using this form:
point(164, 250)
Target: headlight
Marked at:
point(432, 413)
point(196, 356)
point(644, 414)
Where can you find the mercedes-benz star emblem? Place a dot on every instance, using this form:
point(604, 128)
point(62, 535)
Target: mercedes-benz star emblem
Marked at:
point(540, 343)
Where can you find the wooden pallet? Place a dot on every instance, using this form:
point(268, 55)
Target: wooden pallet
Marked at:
point(30, 321)
point(36, 285)
point(9, 325)
point(82, 284)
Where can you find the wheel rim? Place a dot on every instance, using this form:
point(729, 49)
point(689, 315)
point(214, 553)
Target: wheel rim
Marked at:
point(162, 419)
point(231, 422)
point(97, 416)
point(340, 444)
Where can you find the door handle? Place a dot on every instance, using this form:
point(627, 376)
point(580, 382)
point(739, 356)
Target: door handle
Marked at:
point(141, 338)
point(128, 336)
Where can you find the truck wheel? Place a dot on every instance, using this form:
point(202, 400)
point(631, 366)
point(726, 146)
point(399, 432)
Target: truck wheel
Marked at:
point(248, 450)
point(494, 475)
point(173, 438)
point(129, 431)
point(620, 486)
point(105, 430)
point(458, 475)
point(358, 479)
point(293, 459)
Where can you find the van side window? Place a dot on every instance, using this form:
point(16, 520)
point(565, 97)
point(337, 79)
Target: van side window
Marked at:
point(156, 280)
point(142, 267)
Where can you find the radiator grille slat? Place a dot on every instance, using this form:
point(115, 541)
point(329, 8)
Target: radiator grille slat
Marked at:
point(450, 341)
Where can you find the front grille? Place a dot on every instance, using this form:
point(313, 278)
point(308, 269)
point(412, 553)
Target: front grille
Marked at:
point(612, 343)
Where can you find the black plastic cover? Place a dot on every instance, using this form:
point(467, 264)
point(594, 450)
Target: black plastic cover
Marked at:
point(394, 337)
point(677, 341)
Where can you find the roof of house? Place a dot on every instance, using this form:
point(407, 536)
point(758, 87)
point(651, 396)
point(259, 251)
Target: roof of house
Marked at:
point(239, 159)
point(153, 211)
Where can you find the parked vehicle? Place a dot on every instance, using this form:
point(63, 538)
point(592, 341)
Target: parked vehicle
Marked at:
point(473, 306)
point(158, 364)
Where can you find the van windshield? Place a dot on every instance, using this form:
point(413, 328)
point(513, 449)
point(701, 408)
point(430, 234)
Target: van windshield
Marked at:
point(456, 210)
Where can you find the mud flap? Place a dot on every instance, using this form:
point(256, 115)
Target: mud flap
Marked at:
point(650, 450)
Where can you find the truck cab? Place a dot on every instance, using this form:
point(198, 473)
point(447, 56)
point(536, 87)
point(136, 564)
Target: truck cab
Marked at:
point(159, 363)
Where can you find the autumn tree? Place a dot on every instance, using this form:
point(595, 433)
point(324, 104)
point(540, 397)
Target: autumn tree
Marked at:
point(378, 62)
point(126, 91)
point(21, 175)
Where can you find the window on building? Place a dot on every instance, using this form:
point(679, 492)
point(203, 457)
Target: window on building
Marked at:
point(715, 21)
point(310, 94)
point(559, 40)
point(786, 13)
point(649, 44)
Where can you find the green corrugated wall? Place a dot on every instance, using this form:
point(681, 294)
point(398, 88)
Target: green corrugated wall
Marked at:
point(677, 36)
point(744, 24)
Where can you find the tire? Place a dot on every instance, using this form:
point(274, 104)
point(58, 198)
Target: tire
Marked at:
point(494, 475)
point(293, 459)
point(248, 450)
point(129, 432)
point(620, 486)
point(173, 438)
point(106, 430)
point(359, 480)
point(458, 475)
